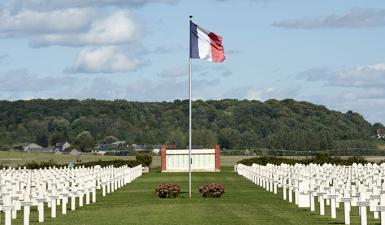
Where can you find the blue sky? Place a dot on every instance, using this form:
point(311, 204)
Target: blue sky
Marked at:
point(327, 52)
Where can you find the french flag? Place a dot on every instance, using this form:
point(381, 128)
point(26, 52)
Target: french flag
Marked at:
point(205, 44)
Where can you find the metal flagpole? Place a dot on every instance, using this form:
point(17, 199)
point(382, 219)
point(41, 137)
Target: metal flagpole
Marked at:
point(189, 120)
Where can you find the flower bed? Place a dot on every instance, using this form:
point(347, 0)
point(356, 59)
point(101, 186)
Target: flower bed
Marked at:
point(168, 190)
point(212, 190)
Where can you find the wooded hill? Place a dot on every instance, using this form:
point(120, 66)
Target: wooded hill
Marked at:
point(234, 124)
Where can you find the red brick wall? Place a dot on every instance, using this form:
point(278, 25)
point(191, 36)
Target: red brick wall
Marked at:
point(163, 157)
point(217, 159)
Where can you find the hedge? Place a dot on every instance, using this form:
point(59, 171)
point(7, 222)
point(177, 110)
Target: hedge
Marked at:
point(318, 159)
point(102, 163)
point(144, 159)
point(115, 163)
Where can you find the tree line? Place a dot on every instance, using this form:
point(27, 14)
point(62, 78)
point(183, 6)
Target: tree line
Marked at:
point(234, 124)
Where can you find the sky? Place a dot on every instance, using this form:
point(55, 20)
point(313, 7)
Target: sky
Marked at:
point(328, 52)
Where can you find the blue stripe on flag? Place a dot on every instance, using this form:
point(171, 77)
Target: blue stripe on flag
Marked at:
point(194, 52)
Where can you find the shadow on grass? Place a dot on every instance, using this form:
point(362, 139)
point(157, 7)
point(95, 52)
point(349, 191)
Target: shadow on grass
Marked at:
point(183, 194)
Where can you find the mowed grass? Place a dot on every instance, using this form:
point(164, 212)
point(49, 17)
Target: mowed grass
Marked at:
point(13, 158)
point(243, 203)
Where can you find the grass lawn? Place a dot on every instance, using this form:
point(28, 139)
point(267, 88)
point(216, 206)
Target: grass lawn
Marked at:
point(243, 203)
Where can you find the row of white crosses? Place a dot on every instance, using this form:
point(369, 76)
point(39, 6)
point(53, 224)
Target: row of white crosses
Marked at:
point(21, 189)
point(361, 186)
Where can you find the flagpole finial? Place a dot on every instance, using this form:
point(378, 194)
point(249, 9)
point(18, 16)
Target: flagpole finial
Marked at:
point(190, 17)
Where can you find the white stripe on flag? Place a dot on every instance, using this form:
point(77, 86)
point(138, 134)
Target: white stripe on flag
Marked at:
point(204, 45)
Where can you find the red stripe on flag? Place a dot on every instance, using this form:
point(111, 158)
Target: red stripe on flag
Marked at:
point(217, 49)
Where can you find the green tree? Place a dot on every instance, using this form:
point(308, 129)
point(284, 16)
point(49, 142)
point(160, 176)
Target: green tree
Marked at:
point(250, 139)
point(58, 124)
point(205, 138)
point(276, 124)
point(229, 138)
point(85, 141)
point(177, 138)
point(42, 140)
point(57, 138)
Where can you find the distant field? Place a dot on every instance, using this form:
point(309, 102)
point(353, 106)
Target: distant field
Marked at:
point(10, 158)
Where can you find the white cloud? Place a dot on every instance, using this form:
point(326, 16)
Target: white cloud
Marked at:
point(213, 70)
point(104, 60)
point(224, 71)
point(359, 88)
point(359, 77)
point(354, 18)
point(28, 22)
point(98, 87)
point(20, 81)
point(117, 28)
point(43, 5)
point(263, 93)
point(71, 27)
point(370, 105)
point(170, 89)
point(99, 26)
point(175, 71)
point(20, 84)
